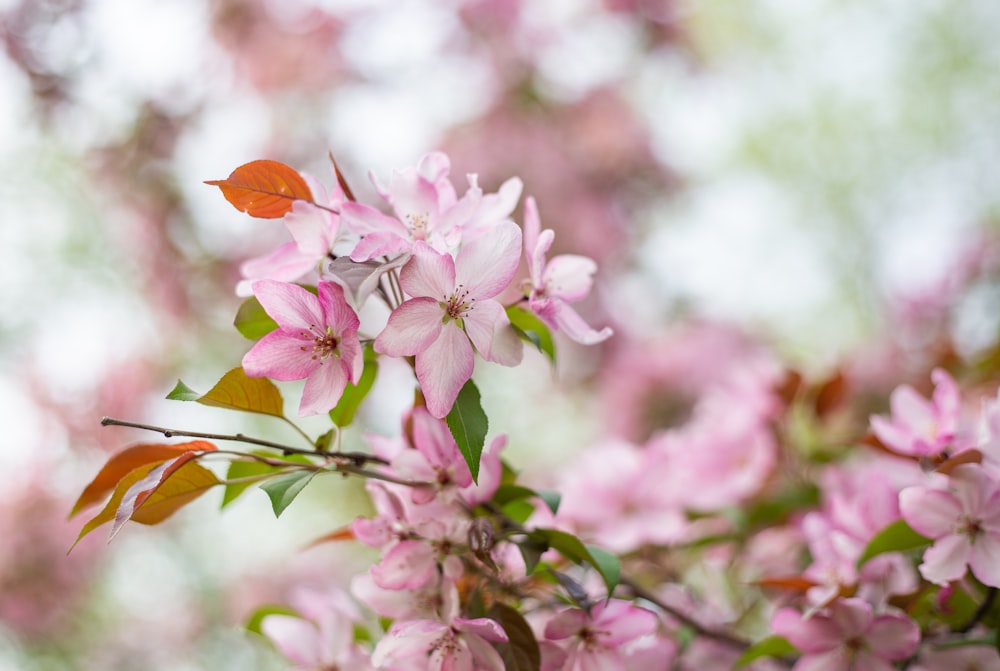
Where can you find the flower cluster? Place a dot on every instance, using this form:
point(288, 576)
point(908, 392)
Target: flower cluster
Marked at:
point(439, 263)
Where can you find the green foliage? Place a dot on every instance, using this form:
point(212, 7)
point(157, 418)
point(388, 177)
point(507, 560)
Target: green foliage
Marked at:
point(250, 471)
point(772, 646)
point(469, 425)
point(283, 489)
point(520, 652)
point(532, 329)
point(572, 548)
point(343, 414)
point(897, 537)
point(507, 494)
point(252, 321)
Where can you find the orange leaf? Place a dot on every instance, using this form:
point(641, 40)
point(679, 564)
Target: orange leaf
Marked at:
point(265, 189)
point(129, 459)
point(342, 534)
point(186, 483)
point(971, 456)
point(794, 583)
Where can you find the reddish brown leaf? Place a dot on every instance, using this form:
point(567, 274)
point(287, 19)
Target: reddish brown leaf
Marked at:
point(153, 492)
point(789, 385)
point(343, 534)
point(972, 456)
point(794, 583)
point(341, 181)
point(831, 394)
point(129, 459)
point(265, 189)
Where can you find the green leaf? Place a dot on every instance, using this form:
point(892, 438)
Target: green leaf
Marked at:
point(532, 329)
point(520, 652)
point(253, 469)
point(236, 391)
point(182, 392)
point(343, 414)
point(532, 550)
point(518, 510)
point(469, 425)
point(897, 537)
point(252, 321)
point(573, 549)
point(283, 489)
point(552, 499)
point(772, 646)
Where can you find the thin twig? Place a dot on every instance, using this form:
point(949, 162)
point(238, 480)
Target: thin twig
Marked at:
point(359, 458)
point(984, 608)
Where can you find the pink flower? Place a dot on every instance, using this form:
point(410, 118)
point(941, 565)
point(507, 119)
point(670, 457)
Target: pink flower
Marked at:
point(314, 232)
point(426, 210)
point(323, 638)
point(316, 339)
point(964, 523)
point(921, 427)
point(564, 279)
point(450, 307)
point(436, 458)
point(598, 640)
point(452, 644)
point(847, 637)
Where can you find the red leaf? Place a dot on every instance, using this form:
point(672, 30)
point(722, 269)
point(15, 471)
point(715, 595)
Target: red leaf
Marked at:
point(128, 460)
point(971, 456)
point(342, 534)
point(265, 189)
point(794, 583)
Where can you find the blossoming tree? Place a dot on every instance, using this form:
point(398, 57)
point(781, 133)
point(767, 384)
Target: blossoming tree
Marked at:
point(729, 540)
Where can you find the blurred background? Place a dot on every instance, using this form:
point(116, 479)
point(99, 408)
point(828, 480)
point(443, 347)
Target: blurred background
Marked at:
point(819, 178)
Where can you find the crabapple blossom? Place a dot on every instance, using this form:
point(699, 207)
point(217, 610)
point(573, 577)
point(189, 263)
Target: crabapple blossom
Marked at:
point(847, 636)
point(963, 520)
point(556, 283)
point(316, 339)
point(314, 229)
point(599, 639)
point(323, 637)
point(452, 306)
point(451, 643)
point(426, 210)
point(920, 427)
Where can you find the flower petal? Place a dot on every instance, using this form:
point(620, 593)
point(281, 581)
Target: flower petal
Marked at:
point(485, 266)
point(365, 220)
point(443, 367)
point(946, 559)
point(379, 244)
point(931, 512)
point(573, 325)
point(428, 273)
point(411, 328)
point(815, 635)
point(288, 304)
point(280, 355)
point(324, 387)
point(985, 559)
point(569, 277)
point(893, 636)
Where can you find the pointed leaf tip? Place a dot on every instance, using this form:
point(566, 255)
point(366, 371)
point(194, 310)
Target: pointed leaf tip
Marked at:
point(469, 425)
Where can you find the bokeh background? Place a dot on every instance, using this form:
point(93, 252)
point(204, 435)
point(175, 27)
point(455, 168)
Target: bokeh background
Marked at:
point(821, 178)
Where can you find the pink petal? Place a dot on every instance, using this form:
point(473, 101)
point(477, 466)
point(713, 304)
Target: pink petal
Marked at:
point(931, 512)
point(482, 627)
point(815, 635)
point(566, 624)
point(482, 322)
point(973, 486)
point(434, 166)
point(428, 273)
point(406, 639)
point(486, 656)
point(946, 559)
point(572, 324)
point(912, 410)
point(621, 621)
point(486, 265)
point(379, 244)
point(364, 220)
point(288, 304)
point(280, 356)
point(297, 639)
point(313, 229)
point(338, 314)
point(443, 368)
point(985, 559)
point(411, 329)
point(894, 437)
point(893, 636)
point(569, 277)
point(407, 565)
point(867, 661)
point(852, 617)
point(324, 387)
point(284, 264)
point(412, 196)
